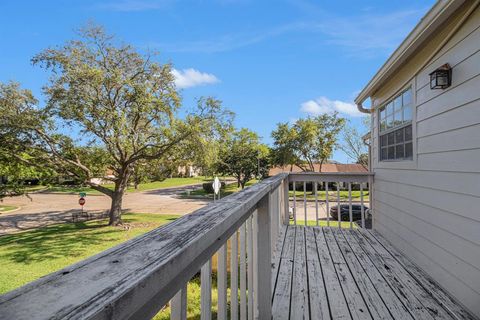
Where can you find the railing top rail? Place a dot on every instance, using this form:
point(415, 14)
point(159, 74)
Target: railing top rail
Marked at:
point(136, 278)
point(331, 176)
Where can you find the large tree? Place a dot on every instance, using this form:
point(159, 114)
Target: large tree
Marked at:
point(353, 144)
point(108, 107)
point(243, 156)
point(308, 141)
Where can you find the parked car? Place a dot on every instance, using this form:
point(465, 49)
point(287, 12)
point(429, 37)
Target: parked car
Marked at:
point(345, 212)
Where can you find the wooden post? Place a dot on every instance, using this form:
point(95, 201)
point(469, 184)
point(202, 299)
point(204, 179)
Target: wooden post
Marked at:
point(264, 258)
point(179, 305)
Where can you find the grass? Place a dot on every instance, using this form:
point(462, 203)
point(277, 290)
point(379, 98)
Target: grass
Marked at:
point(167, 183)
point(332, 195)
point(5, 208)
point(228, 190)
point(323, 223)
point(29, 255)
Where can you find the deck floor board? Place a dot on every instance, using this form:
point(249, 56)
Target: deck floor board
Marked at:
point(331, 273)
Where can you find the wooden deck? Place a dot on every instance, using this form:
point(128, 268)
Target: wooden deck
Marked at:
point(331, 273)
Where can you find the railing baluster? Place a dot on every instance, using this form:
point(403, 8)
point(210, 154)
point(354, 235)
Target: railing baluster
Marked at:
point(255, 263)
point(222, 283)
point(178, 305)
point(206, 290)
point(250, 267)
point(339, 209)
point(350, 204)
point(286, 199)
point(326, 204)
point(234, 277)
point(294, 203)
point(243, 274)
point(361, 204)
point(275, 218)
point(315, 185)
point(305, 200)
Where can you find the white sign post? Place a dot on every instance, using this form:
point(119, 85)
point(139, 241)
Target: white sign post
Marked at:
point(216, 188)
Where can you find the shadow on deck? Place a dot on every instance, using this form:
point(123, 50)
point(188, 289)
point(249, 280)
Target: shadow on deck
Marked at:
point(332, 273)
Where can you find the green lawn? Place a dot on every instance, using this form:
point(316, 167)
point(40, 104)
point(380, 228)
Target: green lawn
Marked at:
point(167, 183)
point(323, 223)
point(30, 255)
point(5, 208)
point(229, 189)
point(332, 195)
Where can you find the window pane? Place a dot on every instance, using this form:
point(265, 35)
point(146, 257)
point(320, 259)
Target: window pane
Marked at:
point(397, 103)
point(399, 151)
point(399, 136)
point(391, 138)
point(383, 140)
point(408, 133)
point(407, 113)
point(383, 154)
point(408, 150)
point(383, 125)
point(389, 108)
point(397, 118)
point(391, 153)
point(390, 121)
point(407, 97)
point(382, 113)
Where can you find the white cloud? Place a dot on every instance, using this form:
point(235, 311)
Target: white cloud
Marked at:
point(188, 78)
point(325, 105)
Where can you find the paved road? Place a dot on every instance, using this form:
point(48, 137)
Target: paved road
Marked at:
point(47, 208)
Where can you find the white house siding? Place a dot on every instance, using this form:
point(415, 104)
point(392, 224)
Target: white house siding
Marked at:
point(429, 208)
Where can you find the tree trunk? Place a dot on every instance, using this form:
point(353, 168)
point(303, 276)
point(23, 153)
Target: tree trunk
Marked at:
point(115, 213)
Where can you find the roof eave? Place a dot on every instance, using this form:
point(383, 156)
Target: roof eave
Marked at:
point(438, 14)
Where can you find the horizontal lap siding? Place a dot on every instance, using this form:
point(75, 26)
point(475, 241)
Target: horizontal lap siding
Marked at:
point(430, 209)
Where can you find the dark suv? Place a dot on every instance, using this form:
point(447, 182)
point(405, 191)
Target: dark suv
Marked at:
point(345, 212)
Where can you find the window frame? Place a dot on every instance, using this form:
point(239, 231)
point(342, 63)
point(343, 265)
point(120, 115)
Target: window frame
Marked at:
point(390, 109)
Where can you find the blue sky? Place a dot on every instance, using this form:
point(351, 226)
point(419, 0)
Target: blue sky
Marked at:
point(269, 61)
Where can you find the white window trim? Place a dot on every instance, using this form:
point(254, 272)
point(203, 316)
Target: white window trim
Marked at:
point(400, 163)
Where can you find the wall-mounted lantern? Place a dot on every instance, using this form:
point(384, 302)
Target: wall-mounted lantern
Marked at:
point(441, 78)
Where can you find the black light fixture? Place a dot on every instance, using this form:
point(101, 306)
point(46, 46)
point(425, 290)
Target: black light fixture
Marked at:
point(441, 78)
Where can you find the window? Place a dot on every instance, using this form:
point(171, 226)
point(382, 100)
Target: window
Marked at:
point(395, 123)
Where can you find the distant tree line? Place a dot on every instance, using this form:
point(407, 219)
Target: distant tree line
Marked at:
point(114, 113)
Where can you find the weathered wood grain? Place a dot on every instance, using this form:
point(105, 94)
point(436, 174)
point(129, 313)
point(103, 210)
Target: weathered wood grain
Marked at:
point(138, 277)
point(372, 299)
point(316, 288)
point(336, 298)
point(435, 309)
point(409, 299)
point(452, 306)
point(389, 298)
point(299, 301)
point(358, 308)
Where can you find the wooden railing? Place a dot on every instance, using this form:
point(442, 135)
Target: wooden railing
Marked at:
point(330, 184)
point(138, 278)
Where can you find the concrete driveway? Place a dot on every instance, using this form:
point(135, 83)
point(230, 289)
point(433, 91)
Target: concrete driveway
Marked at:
point(48, 208)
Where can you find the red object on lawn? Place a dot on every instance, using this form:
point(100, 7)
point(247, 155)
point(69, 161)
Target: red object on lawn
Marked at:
point(81, 201)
